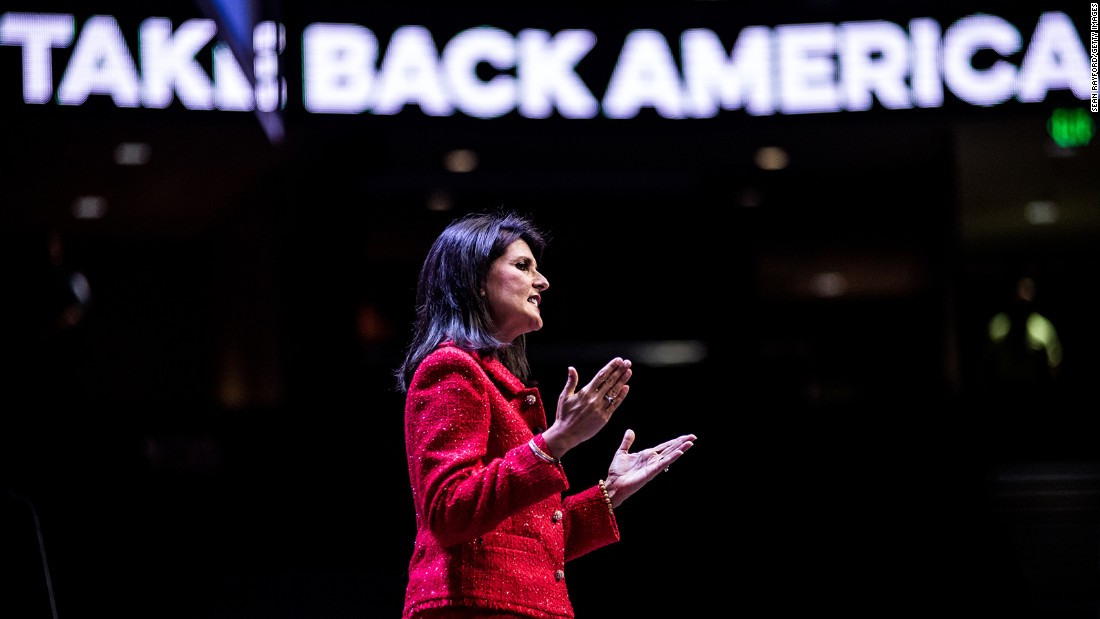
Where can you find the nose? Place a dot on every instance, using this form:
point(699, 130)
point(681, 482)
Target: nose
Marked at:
point(541, 283)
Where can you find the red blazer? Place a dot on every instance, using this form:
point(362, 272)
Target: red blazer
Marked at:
point(493, 529)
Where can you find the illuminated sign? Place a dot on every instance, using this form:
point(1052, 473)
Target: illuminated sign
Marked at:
point(1070, 128)
point(488, 72)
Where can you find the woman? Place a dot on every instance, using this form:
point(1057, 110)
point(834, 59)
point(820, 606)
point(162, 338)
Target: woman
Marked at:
point(493, 526)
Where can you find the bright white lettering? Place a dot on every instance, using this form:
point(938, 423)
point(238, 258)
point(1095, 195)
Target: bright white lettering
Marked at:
point(874, 60)
point(338, 68)
point(486, 72)
point(461, 58)
point(231, 88)
point(101, 64)
point(1055, 59)
point(645, 76)
point(168, 63)
point(268, 42)
point(927, 58)
point(547, 74)
point(37, 33)
point(962, 41)
point(410, 74)
point(807, 69)
point(711, 83)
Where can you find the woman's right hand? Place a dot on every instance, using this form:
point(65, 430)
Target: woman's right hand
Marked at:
point(582, 413)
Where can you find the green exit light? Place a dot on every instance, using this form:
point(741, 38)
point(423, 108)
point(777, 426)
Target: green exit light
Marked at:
point(1071, 128)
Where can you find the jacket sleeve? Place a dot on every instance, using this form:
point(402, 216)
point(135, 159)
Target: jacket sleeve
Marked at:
point(459, 490)
point(589, 523)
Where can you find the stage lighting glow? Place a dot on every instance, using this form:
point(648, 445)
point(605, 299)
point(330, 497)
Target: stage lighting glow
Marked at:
point(829, 284)
point(89, 207)
point(771, 158)
point(1041, 212)
point(133, 153)
point(461, 160)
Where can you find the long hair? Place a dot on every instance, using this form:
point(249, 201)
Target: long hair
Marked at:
point(449, 305)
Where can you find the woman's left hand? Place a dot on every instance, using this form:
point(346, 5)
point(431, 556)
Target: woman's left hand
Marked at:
point(630, 471)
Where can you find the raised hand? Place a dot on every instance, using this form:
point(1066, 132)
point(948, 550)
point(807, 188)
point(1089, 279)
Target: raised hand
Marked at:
point(630, 471)
point(582, 413)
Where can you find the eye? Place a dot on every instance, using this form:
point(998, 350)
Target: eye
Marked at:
point(524, 265)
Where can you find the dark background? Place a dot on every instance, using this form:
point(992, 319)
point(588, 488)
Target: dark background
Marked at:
point(216, 433)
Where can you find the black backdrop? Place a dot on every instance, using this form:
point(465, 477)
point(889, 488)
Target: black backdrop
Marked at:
point(218, 434)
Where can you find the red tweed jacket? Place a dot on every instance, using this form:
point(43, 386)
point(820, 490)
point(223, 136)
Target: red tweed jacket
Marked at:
point(493, 528)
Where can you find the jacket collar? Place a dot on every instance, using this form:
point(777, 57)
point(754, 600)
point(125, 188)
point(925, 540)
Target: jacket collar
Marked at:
point(507, 382)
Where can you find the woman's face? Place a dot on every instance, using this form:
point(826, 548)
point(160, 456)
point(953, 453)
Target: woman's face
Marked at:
point(513, 290)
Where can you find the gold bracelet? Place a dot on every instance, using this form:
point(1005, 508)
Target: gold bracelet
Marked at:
point(542, 454)
point(606, 497)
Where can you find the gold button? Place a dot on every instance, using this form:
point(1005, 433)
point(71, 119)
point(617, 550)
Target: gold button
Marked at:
point(559, 575)
point(557, 515)
point(530, 399)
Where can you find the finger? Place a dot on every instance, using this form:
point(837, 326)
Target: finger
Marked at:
point(571, 380)
point(620, 373)
point(615, 392)
point(667, 459)
point(599, 382)
point(683, 443)
point(621, 379)
point(610, 375)
point(618, 393)
point(628, 440)
point(670, 444)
